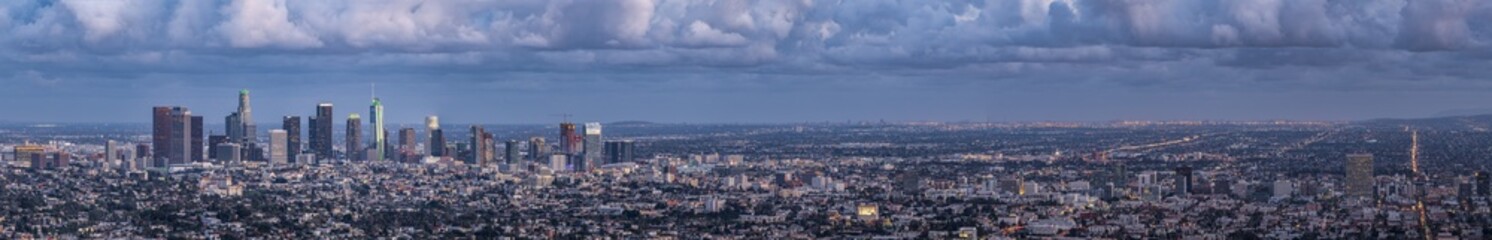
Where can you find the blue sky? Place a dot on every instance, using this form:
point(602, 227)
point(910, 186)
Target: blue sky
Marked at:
point(523, 61)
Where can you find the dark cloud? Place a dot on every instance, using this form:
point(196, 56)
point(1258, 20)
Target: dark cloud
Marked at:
point(870, 45)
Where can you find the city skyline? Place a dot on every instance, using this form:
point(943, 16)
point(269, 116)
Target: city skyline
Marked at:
point(746, 119)
point(773, 61)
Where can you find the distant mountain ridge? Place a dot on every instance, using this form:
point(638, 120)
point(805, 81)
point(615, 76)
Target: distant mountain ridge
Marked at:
point(1481, 122)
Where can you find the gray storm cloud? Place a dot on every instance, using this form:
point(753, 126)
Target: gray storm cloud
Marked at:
point(1227, 47)
point(765, 31)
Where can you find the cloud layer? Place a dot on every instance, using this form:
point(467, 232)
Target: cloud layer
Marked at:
point(1334, 45)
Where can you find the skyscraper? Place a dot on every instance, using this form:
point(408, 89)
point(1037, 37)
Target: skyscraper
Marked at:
point(111, 152)
point(1359, 180)
point(160, 134)
point(240, 123)
point(513, 150)
point(212, 146)
point(375, 117)
point(619, 151)
point(406, 146)
point(143, 152)
point(278, 147)
point(593, 147)
point(354, 137)
point(195, 150)
point(246, 118)
point(569, 140)
point(481, 146)
point(437, 143)
point(321, 131)
point(1184, 183)
point(233, 127)
point(537, 148)
point(291, 125)
point(172, 136)
point(432, 129)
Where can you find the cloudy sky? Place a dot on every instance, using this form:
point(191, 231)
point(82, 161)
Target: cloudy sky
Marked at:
point(524, 61)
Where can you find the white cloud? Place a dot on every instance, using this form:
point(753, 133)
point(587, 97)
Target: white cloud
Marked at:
point(262, 23)
point(701, 34)
point(782, 34)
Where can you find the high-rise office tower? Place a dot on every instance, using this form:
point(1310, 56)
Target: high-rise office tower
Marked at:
point(388, 146)
point(514, 151)
point(321, 132)
point(619, 151)
point(173, 137)
point(233, 127)
point(142, 151)
point(1184, 183)
point(291, 125)
point(240, 123)
point(212, 146)
point(537, 148)
point(195, 150)
point(406, 143)
point(160, 134)
point(432, 129)
point(246, 118)
point(569, 139)
point(111, 152)
point(437, 143)
point(1359, 180)
point(354, 137)
point(481, 146)
point(278, 147)
point(375, 117)
point(593, 147)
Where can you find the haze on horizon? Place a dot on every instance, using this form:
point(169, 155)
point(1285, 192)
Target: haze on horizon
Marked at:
point(729, 61)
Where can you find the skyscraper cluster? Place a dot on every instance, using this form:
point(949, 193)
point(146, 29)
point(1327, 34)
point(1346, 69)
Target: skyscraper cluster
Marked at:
point(176, 135)
point(178, 139)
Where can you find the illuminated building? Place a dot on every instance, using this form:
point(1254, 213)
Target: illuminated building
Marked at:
point(867, 212)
